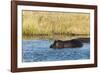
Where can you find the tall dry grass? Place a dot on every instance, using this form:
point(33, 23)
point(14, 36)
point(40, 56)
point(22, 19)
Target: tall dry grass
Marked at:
point(42, 22)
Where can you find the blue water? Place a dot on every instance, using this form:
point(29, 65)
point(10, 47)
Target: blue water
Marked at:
point(38, 50)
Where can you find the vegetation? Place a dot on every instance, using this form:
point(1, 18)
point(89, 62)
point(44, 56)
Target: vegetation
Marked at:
point(55, 25)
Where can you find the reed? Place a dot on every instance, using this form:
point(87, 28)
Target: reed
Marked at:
point(53, 23)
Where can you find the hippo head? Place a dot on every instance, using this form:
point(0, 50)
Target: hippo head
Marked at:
point(53, 45)
point(57, 44)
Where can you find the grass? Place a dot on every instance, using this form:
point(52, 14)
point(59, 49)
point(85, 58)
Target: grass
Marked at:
point(55, 25)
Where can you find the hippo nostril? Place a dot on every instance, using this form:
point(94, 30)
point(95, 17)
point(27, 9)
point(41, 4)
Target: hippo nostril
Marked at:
point(51, 46)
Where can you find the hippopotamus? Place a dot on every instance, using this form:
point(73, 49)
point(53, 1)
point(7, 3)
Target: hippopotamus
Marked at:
point(74, 43)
